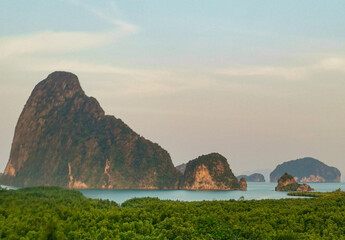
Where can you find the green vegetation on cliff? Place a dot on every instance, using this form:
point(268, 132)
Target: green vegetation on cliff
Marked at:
point(55, 213)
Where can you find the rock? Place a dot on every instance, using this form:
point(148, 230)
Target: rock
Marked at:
point(304, 188)
point(209, 172)
point(64, 138)
point(255, 177)
point(288, 183)
point(243, 184)
point(181, 167)
point(307, 170)
point(312, 178)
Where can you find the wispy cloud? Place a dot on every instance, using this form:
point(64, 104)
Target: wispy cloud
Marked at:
point(333, 64)
point(134, 81)
point(49, 42)
point(328, 64)
point(101, 13)
point(86, 67)
point(264, 71)
point(53, 43)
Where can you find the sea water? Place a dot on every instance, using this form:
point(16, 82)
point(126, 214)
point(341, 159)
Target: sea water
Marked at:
point(256, 190)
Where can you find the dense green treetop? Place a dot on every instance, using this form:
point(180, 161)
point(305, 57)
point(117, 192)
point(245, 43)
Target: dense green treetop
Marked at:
point(55, 213)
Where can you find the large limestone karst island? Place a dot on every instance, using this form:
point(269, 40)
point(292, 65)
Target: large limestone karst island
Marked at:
point(64, 138)
point(210, 172)
point(306, 170)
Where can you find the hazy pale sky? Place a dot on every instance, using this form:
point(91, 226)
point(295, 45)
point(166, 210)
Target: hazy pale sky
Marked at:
point(261, 82)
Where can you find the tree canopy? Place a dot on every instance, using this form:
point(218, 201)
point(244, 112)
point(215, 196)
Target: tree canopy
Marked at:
point(56, 213)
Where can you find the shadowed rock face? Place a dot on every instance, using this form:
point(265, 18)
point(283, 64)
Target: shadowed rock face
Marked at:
point(209, 172)
point(307, 170)
point(288, 183)
point(64, 138)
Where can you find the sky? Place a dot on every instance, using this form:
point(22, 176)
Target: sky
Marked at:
point(260, 82)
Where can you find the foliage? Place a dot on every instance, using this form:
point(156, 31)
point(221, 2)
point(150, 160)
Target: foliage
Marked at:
point(306, 194)
point(337, 193)
point(289, 187)
point(56, 213)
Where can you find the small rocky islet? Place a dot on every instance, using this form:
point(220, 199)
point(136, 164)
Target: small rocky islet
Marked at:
point(210, 172)
point(287, 183)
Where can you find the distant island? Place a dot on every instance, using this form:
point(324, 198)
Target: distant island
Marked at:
point(63, 138)
point(181, 167)
point(306, 170)
point(255, 177)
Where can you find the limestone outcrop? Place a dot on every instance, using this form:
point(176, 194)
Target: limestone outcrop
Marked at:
point(210, 172)
point(288, 183)
point(64, 138)
point(243, 184)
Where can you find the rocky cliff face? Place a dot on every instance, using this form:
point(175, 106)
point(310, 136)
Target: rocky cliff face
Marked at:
point(304, 188)
point(307, 170)
point(255, 177)
point(209, 172)
point(64, 138)
point(243, 184)
point(288, 183)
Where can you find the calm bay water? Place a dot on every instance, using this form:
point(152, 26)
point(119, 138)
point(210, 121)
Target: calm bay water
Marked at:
point(256, 191)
